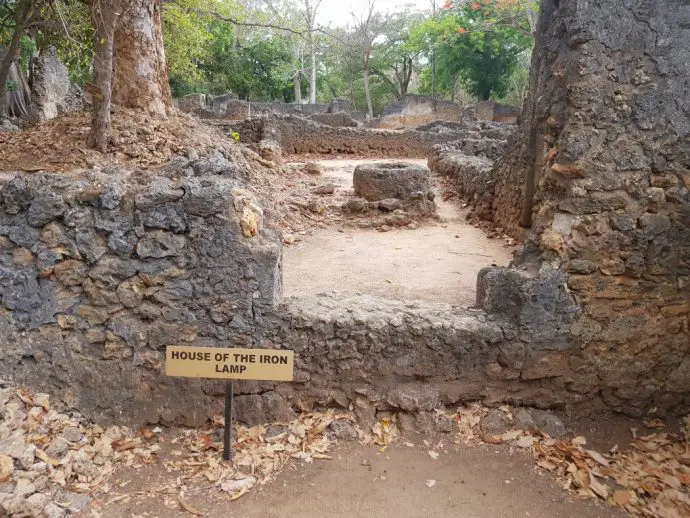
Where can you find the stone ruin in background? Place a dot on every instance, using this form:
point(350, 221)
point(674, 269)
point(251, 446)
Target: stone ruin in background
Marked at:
point(99, 272)
point(51, 92)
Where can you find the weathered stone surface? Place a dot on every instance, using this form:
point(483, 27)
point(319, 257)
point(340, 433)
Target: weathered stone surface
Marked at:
point(496, 422)
point(380, 181)
point(84, 306)
point(45, 209)
point(270, 150)
point(6, 467)
point(160, 244)
point(341, 429)
point(49, 85)
point(298, 135)
point(614, 215)
point(312, 168)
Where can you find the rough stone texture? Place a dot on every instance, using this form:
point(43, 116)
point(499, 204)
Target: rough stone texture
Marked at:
point(298, 135)
point(415, 110)
point(49, 85)
point(594, 314)
point(493, 111)
point(472, 176)
point(612, 206)
point(381, 181)
point(99, 272)
point(191, 103)
point(340, 119)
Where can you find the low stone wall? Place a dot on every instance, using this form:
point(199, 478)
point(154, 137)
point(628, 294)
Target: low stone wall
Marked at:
point(300, 136)
point(340, 119)
point(493, 111)
point(101, 271)
point(416, 110)
point(471, 174)
point(192, 103)
point(228, 107)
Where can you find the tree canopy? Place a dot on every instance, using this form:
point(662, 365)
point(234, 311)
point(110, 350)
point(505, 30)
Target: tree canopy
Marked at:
point(277, 50)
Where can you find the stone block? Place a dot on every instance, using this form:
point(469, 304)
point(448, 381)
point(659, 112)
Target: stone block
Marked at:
point(380, 181)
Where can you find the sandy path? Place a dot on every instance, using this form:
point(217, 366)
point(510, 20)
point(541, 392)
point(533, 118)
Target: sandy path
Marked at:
point(437, 262)
point(364, 482)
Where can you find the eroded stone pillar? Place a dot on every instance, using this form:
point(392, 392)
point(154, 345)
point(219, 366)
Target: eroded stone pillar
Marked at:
point(611, 95)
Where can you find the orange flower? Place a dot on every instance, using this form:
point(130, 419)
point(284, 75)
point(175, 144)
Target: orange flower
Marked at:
point(460, 30)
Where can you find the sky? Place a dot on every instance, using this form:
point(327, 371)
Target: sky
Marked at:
point(337, 12)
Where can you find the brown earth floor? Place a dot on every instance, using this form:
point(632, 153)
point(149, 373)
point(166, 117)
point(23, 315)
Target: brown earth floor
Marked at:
point(436, 262)
point(362, 481)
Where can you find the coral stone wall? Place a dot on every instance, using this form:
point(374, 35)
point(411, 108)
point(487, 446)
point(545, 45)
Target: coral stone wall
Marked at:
point(100, 272)
point(610, 110)
point(298, 135)
point(415, 110)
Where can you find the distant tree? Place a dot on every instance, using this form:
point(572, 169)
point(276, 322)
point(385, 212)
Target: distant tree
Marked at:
point(367, 28)
point(393, 60)
point(310, 9)
point(477, 43)
point(20, 15)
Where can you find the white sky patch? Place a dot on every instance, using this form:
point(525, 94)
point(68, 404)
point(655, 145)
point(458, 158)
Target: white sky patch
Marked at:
point(337, 12)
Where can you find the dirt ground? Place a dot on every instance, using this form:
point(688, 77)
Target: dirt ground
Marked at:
point(362, 481)
point(437, 262)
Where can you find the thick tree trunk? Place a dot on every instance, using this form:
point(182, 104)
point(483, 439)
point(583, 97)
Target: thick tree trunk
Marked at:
point(140, 78)
point(23, 8)
point(104, 16)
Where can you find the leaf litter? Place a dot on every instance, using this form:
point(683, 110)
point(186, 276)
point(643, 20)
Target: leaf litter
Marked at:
point(67, 458)
point(650, 479)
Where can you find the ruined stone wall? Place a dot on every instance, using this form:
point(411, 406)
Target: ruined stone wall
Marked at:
point(340, 119)
point(415, 110)
point(610, 113)
point(50, 85)
point(192, 103)
point(99, 272)
point(298, 135)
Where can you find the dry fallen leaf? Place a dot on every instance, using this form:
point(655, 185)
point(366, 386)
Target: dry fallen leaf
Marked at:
point(187, 507)
point(490, 439)
point(621, 496)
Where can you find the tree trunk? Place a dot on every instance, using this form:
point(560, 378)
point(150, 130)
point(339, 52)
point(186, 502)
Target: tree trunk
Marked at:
point(312, 52)
point(22, 10)
point(298, 87)
point(104, 18)
point(140, 78)
point(367, 93)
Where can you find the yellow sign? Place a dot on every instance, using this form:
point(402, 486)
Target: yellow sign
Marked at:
point(239, 364)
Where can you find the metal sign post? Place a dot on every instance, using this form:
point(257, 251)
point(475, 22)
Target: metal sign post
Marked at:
point(229, 364)
point(227, 434)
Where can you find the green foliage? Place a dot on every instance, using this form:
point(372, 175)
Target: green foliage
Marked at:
point(204, 53)
point(67, 26)
point(477, 43)
point(186, 33)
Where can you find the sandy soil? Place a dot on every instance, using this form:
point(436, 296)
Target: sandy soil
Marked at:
point(361, 481)
point(436, 262)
